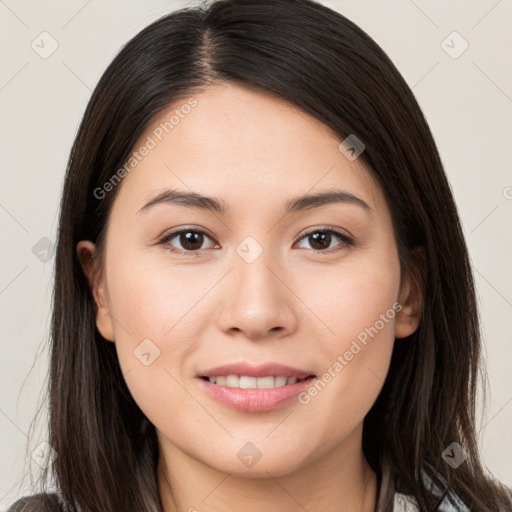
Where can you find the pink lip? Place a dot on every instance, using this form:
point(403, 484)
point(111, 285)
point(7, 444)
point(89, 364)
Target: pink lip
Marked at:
point(264, 370)
point(254, 400)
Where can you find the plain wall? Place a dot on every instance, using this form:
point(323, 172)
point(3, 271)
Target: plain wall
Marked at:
point(467, 101)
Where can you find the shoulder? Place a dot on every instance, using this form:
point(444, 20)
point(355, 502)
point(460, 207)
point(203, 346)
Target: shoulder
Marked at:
point(42, 502)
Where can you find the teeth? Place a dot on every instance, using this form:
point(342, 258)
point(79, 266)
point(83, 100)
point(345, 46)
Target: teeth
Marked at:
point(232, 381)
point(246, 382)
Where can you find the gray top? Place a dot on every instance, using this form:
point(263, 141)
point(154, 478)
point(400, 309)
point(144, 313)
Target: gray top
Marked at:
point(407, 503)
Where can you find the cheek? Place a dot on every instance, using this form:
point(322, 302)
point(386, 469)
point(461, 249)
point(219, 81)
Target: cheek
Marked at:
point(153, 298)
point(154, 338)
point(358, 305)
point(351, 297)
point(154, 322)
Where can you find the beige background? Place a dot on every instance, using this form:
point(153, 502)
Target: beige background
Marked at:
point(467, 101)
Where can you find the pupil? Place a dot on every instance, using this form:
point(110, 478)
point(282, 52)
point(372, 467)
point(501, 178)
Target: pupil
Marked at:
point(321, 236)
point(189, 238)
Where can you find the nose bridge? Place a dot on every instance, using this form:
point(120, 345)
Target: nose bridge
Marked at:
point(258, 302)
point(256, 286)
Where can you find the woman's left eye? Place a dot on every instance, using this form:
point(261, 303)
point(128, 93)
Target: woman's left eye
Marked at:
point(192, 240)
point(322, 239)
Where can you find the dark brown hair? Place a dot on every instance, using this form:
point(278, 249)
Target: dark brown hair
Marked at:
point(324, 64)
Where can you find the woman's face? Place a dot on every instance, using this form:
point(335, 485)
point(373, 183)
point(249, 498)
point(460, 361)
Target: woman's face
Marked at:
point(255, 291)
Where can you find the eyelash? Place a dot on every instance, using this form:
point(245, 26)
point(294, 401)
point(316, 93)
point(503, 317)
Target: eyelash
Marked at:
point(346, 240)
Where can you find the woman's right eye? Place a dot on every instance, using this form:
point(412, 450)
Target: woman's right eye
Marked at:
point(191, 241)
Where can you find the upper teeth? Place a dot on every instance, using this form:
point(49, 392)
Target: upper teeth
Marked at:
point(245, 382)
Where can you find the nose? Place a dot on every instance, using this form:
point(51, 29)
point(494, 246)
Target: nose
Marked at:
point(258, 301)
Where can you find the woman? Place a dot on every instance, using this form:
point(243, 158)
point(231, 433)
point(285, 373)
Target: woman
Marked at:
point(263, 297)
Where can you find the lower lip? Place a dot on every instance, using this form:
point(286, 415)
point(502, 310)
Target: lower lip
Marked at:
point(255, 400)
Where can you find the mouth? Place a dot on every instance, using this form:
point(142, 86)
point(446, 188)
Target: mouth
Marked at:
point(247, 387)
point(255, 394)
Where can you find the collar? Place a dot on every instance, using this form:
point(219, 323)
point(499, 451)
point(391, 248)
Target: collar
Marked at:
point(390, 499)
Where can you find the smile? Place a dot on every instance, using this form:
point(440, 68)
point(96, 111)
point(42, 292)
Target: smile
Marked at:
point(273, 394)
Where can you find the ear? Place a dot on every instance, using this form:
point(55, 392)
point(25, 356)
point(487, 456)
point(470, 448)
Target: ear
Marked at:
point(85, 251)
point(410, 297)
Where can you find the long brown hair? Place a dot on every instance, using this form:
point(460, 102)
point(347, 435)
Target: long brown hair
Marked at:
point(324, 64)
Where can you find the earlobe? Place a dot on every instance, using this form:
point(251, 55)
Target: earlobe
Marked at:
point(85, 251)
point(410, 298)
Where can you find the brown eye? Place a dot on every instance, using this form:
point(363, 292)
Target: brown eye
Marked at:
point(320, 240)
point(188, 241)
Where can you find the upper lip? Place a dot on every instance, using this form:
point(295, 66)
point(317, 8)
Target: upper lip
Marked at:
point(262, 370)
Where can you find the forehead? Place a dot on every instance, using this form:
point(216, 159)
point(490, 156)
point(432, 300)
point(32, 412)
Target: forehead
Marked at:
point(230, 141)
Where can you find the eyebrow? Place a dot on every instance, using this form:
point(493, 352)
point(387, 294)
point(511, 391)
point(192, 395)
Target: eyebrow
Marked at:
point(218, 206)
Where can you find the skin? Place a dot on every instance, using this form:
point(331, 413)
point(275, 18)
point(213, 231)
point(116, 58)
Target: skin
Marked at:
point(291, 305)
